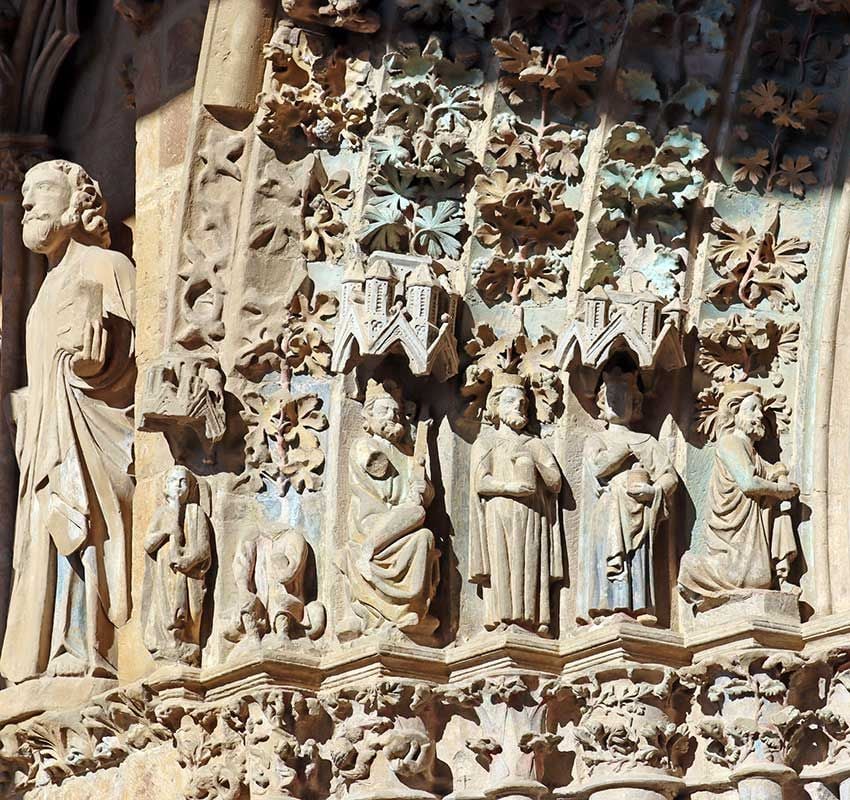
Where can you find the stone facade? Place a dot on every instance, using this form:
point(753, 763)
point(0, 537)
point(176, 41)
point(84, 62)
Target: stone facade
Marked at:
point(424, 399)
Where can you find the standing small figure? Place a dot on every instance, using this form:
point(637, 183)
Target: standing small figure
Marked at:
point(179, 546)
point(516, 552)
point(630, 483)
point(748, 542)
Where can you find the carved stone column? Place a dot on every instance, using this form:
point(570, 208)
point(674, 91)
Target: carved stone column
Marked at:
point(515, 736)
point(753, 723)
point(628, 739)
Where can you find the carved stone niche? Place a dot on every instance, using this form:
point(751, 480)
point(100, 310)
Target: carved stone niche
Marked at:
point(185, 392)
point(628, 740)
point(632, 318)
point(400, 304)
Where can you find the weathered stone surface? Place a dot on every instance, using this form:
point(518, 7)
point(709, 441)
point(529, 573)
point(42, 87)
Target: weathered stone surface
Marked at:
point(577, 269)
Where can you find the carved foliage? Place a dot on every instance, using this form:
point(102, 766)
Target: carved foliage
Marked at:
point(511, 353)
point(737, 348)
point(421, 154)
point(751, 721)
point(753, 267)
point(787, 110)
point(627, 721)
point(317, 90)
point(644, 191)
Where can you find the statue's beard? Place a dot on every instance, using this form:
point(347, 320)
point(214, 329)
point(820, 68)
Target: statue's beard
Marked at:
point(41, 234)
point(387, 429)
point(514, 420)
point(754, 428)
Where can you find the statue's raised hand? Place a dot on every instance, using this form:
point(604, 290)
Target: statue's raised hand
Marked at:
point(91, 358)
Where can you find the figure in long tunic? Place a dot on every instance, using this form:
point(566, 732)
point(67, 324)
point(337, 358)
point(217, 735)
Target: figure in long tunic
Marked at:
point(629, 484)
point(515, 550)
point(748, 541)
point(179, 547)
point(391, 561)
point(74, 438)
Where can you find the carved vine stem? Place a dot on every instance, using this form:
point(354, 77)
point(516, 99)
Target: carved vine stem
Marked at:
point(780, 133)
point(285, 382)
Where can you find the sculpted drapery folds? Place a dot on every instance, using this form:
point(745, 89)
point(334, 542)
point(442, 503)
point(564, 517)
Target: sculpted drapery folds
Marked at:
point(270, 570)
point(74, 437)
point(515, 547)
point(391, 559)
point(630, 483)
point(748, 541)
point(179, 546)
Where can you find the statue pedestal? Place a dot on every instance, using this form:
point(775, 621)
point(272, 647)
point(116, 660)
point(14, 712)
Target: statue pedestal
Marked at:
point(34, 697)
point(619, 639)
point(754, 618)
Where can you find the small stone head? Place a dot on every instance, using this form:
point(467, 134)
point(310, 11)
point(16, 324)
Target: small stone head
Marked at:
point(620, 399)
point(508, 401)
point(61, 202)
point(382, 412)
point(180, 485)
point(742, 409)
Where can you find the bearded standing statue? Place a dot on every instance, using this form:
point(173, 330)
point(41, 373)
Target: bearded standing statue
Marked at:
point(391, 560)
point(746, 544)
point(74, 438)
point(630, 483)
point(515, 549)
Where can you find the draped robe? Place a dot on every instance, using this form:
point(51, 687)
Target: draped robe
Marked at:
point(74, 444)
point(174, 599)
point(616, 546)
point(742, 539)
point(396, 582)
point(515, 548)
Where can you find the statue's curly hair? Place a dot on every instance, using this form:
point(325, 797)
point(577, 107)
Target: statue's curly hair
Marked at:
point(87, 208)
point(730, 405)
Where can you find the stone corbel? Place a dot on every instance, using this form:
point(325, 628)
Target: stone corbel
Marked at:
point(185, 392)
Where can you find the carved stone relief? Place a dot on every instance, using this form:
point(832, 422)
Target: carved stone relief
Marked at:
point(748, 544)
point(515, 547)
point(632, 483)
point(570, 573)
point(390, 561)
point(179, 546)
